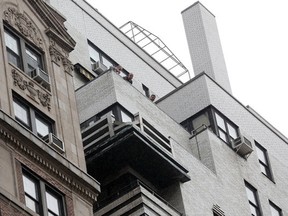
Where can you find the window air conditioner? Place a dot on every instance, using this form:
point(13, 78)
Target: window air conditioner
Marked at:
point(242, 146)
point(98, 67)
point(53, 141)
point(41, 77)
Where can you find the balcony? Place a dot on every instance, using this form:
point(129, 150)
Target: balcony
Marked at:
point(107, 127)
point(110, 145)
point(137, 199)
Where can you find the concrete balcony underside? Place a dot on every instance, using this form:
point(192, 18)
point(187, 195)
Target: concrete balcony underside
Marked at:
point(130, 147)
point(135, 199)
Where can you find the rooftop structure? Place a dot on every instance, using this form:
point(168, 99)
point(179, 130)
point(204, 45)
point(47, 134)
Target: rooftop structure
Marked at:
point(157, 49)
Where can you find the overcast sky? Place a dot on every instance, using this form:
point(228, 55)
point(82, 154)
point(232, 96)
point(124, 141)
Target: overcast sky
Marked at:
point(254, 37)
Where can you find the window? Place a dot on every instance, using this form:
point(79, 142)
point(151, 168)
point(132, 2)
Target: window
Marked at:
point(146, 91)
point(31, 118)
point(226, 130)
point(253, 200)
point(41, 197)
point(97, 55)
point(213, 119)
point(13, 49)
point(263, 160)
point(21, 54)
point(195, 122)
point(275, 210)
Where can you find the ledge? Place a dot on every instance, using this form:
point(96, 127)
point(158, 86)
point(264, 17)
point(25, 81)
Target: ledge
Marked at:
point(133, 148)
point(84, 184)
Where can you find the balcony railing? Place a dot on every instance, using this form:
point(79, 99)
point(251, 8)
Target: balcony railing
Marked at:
point(101, 130)
point(107, 127)
point(130, 187)
point(152, 132)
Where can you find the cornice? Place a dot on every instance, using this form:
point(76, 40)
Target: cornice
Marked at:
point(56, 28)
point(73, 182)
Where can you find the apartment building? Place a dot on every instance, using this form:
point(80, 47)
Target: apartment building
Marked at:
point(78, 139)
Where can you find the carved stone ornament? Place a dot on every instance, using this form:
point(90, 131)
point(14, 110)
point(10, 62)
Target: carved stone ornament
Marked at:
point(68, 66)
point(58, 56)
point(24, 25)
point(55, 55)
point(35, 93)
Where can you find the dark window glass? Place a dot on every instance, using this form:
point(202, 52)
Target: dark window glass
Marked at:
point(145, 90)
point(253, 200)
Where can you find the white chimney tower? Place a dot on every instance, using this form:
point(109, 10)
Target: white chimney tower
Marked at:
point(204, 44)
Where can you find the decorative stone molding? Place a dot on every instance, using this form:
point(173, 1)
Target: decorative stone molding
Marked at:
point(51, 168)
point(68, 66)
point(56, 56)
point(60, 56)
point(37, 94)
point(24, 25)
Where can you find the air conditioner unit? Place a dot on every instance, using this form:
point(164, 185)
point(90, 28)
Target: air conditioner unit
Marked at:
point(98, 67)
point(41, 77)
point(54, 142)
point(242, 146)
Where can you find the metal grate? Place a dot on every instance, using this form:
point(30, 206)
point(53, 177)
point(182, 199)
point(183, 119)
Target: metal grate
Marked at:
point(155, 47)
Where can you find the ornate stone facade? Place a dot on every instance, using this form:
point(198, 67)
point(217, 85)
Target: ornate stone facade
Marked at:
point(35, 92)
point(21, 22)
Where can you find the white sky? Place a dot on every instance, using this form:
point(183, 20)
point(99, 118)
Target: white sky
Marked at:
point(254, 38)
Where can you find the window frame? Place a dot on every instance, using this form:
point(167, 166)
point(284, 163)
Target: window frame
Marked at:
point(33, 114)
point(255, 205)
point(146, 90)
point(275, 207)
point(42, 188)
point(11, 51)
point(36, 200)
point(217, 128)
point(210, 114)
point(102, 56)
point(265, 164)
point(23, 46)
